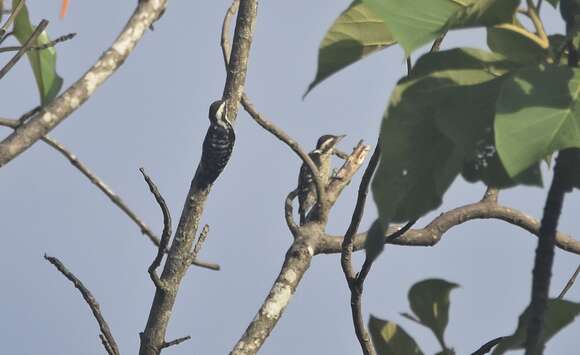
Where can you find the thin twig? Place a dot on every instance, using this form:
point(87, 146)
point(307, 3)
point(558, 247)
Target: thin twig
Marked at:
point(485, 348)
point(165, 236)
point(113, 349)
point(259, 118)
point(15, 11)
point(544, 258)
point(25, 47)
point(355, 283)
point(101, 185)
point(41, 47)
point(175, 342)
point(570, 283)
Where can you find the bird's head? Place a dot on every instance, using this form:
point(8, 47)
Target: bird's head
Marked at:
point(218, 113)
point(328, 142)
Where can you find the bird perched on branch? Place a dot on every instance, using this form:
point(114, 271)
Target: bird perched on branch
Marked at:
point(217, 145)
point(321, 156)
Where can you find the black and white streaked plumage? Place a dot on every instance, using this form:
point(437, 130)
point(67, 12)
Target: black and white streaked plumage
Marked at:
point(321, 157)
point(217, 145)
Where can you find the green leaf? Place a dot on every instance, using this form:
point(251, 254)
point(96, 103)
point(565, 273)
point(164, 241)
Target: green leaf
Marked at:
point(484, 13)
point(414, 23)
point(484, 165)
point(536, 115)
point(514, 45)
point(559, 314)
point(554, 3)
point(390, 339)
point(434, 120)
point(43, 61)
point(429, 301)
point(355, 34)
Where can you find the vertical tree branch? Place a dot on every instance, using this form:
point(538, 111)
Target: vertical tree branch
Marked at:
point(355, 284)
point(153, 337)
point(544, 259)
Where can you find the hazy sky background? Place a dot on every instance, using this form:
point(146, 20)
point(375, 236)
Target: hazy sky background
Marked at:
point(153, 113)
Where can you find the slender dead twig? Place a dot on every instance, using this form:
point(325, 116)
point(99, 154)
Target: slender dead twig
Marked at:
point(260, 119)
point(561, 184)
point(355, 284)
point(485, 348)
point(61, 107)
point(25, 47)
point(15, 11)
point(106, 335)
point(570, 283)
point(166, 234)
point(175, 342)
point(153, 337)
point(50, 44)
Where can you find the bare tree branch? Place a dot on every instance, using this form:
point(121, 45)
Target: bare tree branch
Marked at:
point(106, 336)
point(101, 185)
point(153, 337)
point(570, 283)
point(485, 348)
point(15, 11)
point(50, 44)
point(355, 284)
point(175, 342)
point(434, 231)
point(544, 259)
point(25, 47)
point(165, 236)
point(261, 119)
point(60, 108)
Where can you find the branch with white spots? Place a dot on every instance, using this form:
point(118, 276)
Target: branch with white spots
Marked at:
point(146, 13)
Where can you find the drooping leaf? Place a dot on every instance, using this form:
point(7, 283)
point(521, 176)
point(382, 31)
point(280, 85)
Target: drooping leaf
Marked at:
point(559, 314)
point(433, 123)
point(355, 34)
point(513, 42)
point(429, 300)
point(414, 23)
point(390, 339)
point(43, 61)
point(536, 115)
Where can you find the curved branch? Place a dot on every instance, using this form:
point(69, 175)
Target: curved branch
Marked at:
point(60, 108)
point(432, 233)
point(289, 211)
point(259, 118)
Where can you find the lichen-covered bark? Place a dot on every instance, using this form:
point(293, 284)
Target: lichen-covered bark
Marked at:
point(296, 262)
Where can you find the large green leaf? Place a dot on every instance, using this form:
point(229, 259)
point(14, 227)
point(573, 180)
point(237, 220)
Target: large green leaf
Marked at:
point(414, 23)
point(433, 123)
point(559, 314)
point(429, 300)
point(514, 44)
point(355, 34)
point(390, 339)
point(43, 61)
point(537, 113)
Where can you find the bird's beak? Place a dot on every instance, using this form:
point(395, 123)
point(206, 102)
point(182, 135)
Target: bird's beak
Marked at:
point(339, 138)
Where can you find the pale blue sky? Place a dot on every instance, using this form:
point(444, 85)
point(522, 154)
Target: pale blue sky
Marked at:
point(152, 114)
